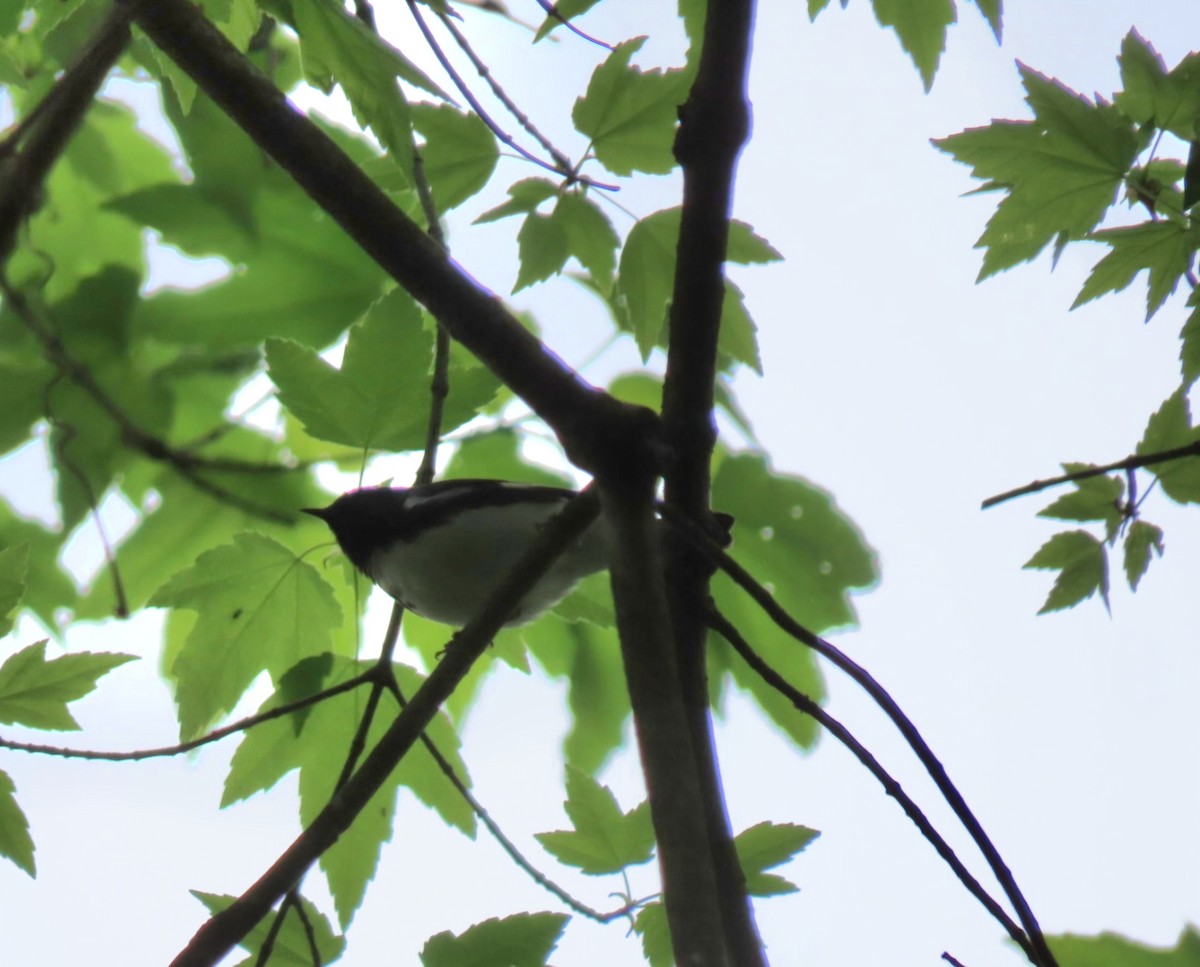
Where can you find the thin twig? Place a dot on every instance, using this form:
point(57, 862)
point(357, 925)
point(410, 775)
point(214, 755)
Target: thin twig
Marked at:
point(880, 696)
point(560, 159)
point(568, 173)
point(381, 676)
point(951, 959)
point(1132, 462)
point(66, 433)
point(439, 382)
point(720, 624)
point(552, 12)
point(215, 736)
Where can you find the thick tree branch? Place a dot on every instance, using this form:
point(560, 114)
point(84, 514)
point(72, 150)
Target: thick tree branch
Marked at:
point(673, 778)
point(714, 126)
point(226, 929)
point(598, 432)
point(1134, 462)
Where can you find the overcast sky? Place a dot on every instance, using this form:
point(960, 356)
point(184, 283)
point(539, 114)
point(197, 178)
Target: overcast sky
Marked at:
point(911, 393)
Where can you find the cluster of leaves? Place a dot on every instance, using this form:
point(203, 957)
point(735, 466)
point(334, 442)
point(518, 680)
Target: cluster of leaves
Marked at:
point(1063, 176)
point(136, 393)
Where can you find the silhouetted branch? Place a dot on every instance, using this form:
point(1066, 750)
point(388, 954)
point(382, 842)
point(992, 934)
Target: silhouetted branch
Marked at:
point(937, 772)
point(722, 626)
point(214, 736)
point(1134, 462)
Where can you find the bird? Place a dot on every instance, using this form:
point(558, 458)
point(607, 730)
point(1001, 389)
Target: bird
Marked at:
point(440, 548)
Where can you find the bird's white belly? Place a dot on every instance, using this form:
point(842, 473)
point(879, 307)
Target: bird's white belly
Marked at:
point(447, 574)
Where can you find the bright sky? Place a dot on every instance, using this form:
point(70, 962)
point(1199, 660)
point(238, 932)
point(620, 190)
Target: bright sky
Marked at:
point(912, 394)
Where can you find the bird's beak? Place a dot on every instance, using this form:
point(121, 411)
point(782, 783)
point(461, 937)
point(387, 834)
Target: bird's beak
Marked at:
point(321, 512)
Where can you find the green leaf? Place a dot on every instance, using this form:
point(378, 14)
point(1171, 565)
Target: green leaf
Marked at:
point(187, 521)
point(522, 940)
point(14, 567)
point(379, 398)
point(459, 153)
point(1168, 429)
point(1113, 950)
point(524, 197)
point(590, 235)
point(1163, 248)
point(259, 608)
point(791, 536)
point(336, 47)
point(768, 845)
point(1153, 96)
point(1140, 541)
point(317, 745)
point(1094, 498)
point(293, 945)
point(35, 692)
point(647, 277)
point(15, 842)
point(1189, 350)
point(651, 925)
point(1061, 171)
point(542, 245)
point(630, 114)
point(22, 396)
point(495, 454)
point(188, 217)
point(587, 658)
point(305, 279)
point(1083, 563)
point(604, 839)
point(47, 588)
point(107, 156)
point(921, 26)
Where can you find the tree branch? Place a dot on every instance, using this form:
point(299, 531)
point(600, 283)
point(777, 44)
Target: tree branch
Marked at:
point(863, 678)
point(1134, 462)
point(214, 736)
point(673, 779)
point(714, 127)
point(227, 928)
point(598, 432)
point(722, 626)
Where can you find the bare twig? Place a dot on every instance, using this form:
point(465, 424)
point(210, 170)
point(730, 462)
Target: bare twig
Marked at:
point(215, 736)
point(552, 11)
point(566, 171)
point(560, 159)
point(904, 725)
point(1133, 462)
point(720, 624)
point(61, 441)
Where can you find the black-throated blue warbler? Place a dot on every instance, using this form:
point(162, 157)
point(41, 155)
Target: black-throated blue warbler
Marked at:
point(439, 548)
